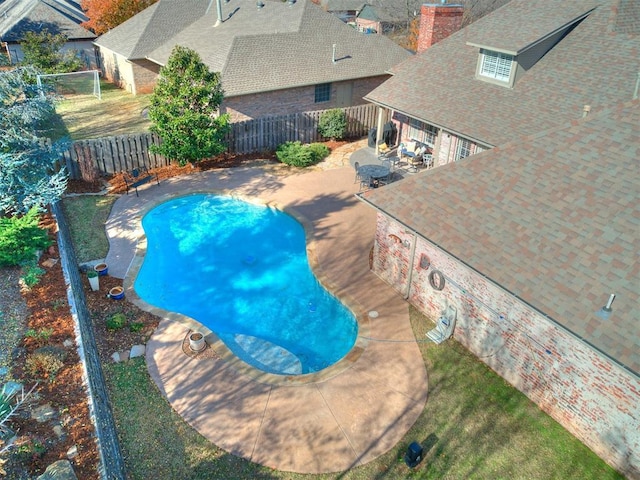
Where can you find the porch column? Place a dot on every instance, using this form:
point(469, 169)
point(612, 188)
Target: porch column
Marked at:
point(379, 127)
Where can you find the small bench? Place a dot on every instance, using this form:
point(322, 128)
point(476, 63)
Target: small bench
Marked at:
point(137, 177)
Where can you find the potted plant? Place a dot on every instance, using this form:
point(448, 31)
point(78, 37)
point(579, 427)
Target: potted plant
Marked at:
point(196, 341)
point(101, 268)
point(116, 293)
point(94, 281)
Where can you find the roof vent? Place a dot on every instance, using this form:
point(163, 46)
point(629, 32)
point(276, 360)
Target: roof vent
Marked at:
point(259, 4)
point(291, 2)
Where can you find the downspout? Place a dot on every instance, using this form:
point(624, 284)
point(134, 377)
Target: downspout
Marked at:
point(412, 256)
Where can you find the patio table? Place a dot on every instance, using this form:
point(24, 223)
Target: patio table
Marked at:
point(374, 173)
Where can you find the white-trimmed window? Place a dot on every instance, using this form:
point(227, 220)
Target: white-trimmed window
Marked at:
point(463, 150)
point(496, 65)
point(422, 132)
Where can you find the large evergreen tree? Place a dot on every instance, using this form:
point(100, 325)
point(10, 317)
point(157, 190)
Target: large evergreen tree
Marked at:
point(29, 176)
point(185, 109)
point(44, 51)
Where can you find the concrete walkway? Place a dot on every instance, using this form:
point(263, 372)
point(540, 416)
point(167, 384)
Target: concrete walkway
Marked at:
point(342, 417)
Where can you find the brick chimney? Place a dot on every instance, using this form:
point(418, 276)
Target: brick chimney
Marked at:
point(438, 21)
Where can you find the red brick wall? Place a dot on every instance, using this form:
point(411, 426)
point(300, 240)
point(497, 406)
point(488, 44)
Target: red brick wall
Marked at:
point(293, 100)
point(437, 22)
point(590, 395)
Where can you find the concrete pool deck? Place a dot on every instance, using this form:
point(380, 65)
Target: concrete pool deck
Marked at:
point(330, 422)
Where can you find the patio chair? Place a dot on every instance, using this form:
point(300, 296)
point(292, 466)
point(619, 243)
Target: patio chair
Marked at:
point(365, 183)
point(356, 166)
point(427, 160)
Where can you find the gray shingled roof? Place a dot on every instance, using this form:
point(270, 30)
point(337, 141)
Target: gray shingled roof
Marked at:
point(520, 24)
point(58, 16)
point(553, 218)
point(276, 47)
point(590, 66)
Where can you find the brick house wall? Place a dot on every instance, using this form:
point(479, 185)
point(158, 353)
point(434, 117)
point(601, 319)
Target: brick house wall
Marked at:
point(294, 100)
point(590, 395)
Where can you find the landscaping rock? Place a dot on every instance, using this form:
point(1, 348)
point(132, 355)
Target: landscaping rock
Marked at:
point(60, 470)
point(115, 356)
point(43, 413)
point(11, 388)
point(137, 351)
point(72, 452)
point(49, 262)
point(68, 343)
point(59, 431)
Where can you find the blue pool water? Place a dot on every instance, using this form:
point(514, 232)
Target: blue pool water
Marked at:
point(242, 271)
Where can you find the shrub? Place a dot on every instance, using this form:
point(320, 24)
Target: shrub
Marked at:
point(116, 321)
point(41, 336)
point(333, 124)
point(45, 362)
point(319, 151)
point(295, 154)
point(31, 273)
point(20, 237)
point(135, 327)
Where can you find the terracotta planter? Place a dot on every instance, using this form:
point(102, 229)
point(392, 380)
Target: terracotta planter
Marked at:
point(116, 293)
point(196, 342)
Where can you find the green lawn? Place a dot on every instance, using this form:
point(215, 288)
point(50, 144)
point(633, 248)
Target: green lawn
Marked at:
point(87, 215)
point(117, 113)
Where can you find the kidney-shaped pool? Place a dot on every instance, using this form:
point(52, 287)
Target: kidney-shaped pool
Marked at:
point(242, 271)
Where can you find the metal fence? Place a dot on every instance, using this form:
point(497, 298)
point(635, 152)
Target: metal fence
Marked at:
point(87, 159)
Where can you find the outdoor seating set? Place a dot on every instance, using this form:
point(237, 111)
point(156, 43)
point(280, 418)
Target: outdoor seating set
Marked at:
point(417, 155)
point(406, 157)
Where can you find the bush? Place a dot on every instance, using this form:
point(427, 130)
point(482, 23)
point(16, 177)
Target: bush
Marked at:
point(41, 337)
point(45, 362)
point(116, 321)
point(31, 273)
point(20, 237)
point(333, 124)
point(295, 154)
point(136, 327)
point(319, 151)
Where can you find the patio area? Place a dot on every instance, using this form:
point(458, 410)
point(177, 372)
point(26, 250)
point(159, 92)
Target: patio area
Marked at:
point(339, 418)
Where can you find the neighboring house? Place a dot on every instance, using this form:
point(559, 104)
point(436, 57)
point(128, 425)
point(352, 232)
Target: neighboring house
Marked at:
point(345, 10)
point(280, 58)
point(529, 239)
point(374, 19)
point(18, 17)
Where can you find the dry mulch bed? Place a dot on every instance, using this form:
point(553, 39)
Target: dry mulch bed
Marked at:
point(37, 444)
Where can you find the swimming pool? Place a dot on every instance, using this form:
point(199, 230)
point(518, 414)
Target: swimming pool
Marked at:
point(242, 271)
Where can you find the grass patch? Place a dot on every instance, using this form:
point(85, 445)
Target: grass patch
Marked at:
point(87, 215)
point(474, 425)
point(118, 113)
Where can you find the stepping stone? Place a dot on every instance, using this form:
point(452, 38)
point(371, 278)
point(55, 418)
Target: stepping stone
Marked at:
point(137, 351)
point(43, 413)
point(60, 470)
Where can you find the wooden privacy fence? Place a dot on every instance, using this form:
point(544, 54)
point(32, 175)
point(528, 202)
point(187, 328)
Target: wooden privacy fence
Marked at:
point(87, 159)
